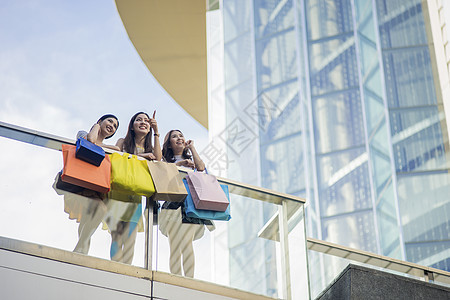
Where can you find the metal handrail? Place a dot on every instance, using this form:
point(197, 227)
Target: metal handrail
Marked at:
point(427, 273)
point(54, 142)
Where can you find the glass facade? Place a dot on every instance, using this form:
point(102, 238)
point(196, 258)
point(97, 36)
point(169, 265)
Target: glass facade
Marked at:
point(347, 117)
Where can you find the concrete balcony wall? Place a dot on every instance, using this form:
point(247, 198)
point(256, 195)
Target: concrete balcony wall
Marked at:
point(27, 276)
point(357, 282)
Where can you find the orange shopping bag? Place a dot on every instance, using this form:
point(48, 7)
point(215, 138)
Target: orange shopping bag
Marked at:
point(84, 174)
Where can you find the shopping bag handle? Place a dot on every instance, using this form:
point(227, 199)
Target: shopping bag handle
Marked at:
point(206, 170)
point(130, 156)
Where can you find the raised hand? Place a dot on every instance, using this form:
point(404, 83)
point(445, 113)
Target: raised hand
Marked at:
point(189, 144)
point(153, 123)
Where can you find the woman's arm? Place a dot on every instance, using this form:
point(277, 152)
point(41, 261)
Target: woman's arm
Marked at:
point(119, 144)
point(148, 155)
point(92, 137)
point(157, 148)
point(186, 163)
point(111, 147)
point(198, 162)
point(157, 145)
point(93, 133)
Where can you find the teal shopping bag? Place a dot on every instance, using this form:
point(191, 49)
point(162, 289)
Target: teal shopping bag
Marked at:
point(193, 212)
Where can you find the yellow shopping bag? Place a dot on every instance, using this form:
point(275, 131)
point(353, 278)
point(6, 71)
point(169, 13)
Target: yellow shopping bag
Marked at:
point(130, 175)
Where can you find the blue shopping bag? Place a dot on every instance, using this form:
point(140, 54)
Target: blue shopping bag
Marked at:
point(193, 212)
point(89, 152)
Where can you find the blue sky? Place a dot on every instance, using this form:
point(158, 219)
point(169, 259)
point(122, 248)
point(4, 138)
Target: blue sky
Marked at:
point(65, 63)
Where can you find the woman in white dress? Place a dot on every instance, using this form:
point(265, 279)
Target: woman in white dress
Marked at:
point(180, 230)
point(124, 219)
point(88, 207)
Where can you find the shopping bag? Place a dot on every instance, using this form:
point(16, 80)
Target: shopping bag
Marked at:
point(206, 192)
point(89, 152)
point(168, 182)
point(193, 212)
point(84, 174)
point(130, 175)
point(65, 186)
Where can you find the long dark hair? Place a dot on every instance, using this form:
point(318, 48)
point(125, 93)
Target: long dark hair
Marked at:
point(129, 144)
point(167, 150)
point(104, 117)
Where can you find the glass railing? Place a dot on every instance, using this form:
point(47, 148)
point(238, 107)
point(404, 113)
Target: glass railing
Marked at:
point(261, 249)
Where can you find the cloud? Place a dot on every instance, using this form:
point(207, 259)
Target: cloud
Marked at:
point(41, 116)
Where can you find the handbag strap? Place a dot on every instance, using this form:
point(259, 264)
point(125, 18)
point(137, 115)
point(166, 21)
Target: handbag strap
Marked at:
point(129, 155)
point(206, 170)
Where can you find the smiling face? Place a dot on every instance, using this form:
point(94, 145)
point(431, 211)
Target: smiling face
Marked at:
point(141, 124)
point(177, 142)
point(108, 126)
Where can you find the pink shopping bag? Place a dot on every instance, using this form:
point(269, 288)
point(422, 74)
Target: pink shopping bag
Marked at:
point(206, 192)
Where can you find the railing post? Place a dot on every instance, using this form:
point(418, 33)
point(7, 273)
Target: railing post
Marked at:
point(284, 246)
point(428, 276)
point(149, 233)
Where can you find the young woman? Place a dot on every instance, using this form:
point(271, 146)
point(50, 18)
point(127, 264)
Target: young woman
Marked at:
point(124, 219)
point(88, 207)
point(181, 152)
point(139, 137)
point(104, 129)
point(181, 231)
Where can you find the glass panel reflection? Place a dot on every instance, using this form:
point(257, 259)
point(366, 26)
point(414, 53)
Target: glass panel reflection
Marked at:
point(355, 230)
point(239, 253)
point(379, 138)
point(272, 16)
point(404, 85)
point(373, 83)
point(327, 18)
point(366, 25)
point(236, 17)
point(338, 121)
point(388, 223)
point(238, 67)
point(440, 258)
point(418, 140)
point(381, 168)
point(347, 189)
point(401, 23)
point(55, 217)
point(284, 175)
point(369, 57)
point(374, 111)
point(276, 59)
point(424, 206)
point(279, 112)
point(320, 278)
point(333, 65)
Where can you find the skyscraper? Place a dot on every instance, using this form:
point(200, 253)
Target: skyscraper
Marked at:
point(339, 102)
